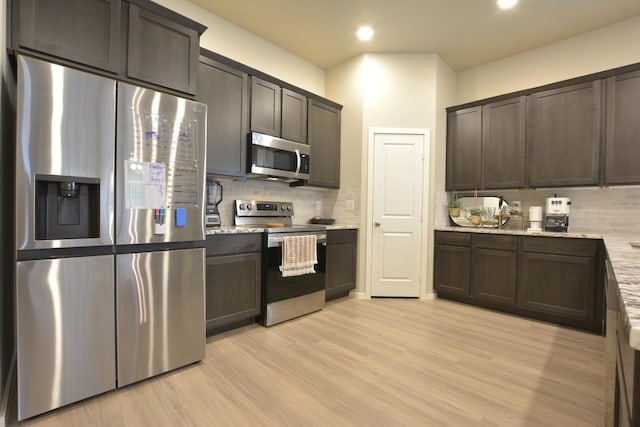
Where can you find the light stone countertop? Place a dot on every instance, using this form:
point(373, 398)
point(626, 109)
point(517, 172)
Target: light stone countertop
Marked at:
point(232, 229)
point(624, 258)
point(343, 227)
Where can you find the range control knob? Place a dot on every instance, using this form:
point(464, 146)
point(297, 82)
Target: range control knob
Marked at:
point(241, 206)
point(249, 207)
point(281, 207)
point(288, 208)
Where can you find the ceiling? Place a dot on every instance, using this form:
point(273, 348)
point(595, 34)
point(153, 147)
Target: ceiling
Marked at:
point(464, 33)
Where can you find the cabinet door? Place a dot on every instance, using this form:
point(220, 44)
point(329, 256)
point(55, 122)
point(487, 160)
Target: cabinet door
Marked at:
point(623, 129)
point(464, 149)
point(452, 266)
point(226, 93)
point(503, 144)
point(265, 107)
point(324, 145)
point(294, 116)
point(232, 288)
point(558, 284)
point(162, 51)
point(494, 276)
point(563, 146)
point(341, 268)
point(83, 31)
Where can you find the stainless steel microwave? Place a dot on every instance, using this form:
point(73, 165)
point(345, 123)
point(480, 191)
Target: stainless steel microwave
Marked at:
point(277, 159)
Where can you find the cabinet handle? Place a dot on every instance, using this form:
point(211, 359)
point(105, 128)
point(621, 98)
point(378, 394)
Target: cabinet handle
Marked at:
point(377, 224)
point(299, 161)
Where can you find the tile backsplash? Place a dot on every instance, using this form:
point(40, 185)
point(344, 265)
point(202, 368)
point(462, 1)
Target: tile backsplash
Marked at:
point(607, 209)
point(307, 201)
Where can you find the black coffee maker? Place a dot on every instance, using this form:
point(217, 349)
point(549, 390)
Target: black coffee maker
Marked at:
point(214, 197)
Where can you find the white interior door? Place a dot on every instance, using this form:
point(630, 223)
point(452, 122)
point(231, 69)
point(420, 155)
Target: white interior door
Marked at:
point(398, 166)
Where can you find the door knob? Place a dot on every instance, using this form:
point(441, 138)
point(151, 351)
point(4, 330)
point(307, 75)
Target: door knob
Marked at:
point(377, 224)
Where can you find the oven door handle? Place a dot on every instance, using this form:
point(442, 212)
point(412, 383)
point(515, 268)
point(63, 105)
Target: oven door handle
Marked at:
point(299, 161)
point(276, 241)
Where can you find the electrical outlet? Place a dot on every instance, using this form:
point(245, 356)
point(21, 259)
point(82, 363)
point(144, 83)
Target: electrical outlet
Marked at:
point(351, 205)
point(318, 205)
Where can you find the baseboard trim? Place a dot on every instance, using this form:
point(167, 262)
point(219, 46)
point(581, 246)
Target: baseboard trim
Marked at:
point(8, 389)
point(359, 295)
point(429, 297)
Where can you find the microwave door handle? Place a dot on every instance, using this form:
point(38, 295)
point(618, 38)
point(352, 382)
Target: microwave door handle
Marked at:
point(299, 160)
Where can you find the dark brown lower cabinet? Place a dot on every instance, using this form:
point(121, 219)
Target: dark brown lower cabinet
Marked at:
point(549, 278)
point(451, 276)
point(558, 284)
point(341, 262)
point(562, 280)
point(494, 276)
point(452, 258)
point(233, 286)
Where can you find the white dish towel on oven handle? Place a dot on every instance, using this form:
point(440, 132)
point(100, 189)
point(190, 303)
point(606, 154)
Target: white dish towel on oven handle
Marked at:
point(299, 255)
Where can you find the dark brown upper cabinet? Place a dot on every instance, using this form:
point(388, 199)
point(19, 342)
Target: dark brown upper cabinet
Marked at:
point(82, 31)
point(622, 154)
point(464, 149)
point(503, 144)
point(486, 146)
point(266, 107)
point(563, 142)
point(278, 111)
point(324, 144)
point(225, 90)
point(162, 51)
point(134, 40)
point(294, 116)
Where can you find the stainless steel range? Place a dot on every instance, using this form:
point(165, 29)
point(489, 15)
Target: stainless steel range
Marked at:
point(284, 295)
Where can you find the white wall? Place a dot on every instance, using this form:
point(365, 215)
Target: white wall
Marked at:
point(343, 86)
point(389, 90)
point(608, 47)
point(233, 42)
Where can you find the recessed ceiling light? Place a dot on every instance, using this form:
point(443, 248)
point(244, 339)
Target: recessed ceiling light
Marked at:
point(365, 33)
point(506, 4)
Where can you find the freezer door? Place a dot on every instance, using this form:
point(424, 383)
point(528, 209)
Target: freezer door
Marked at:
point(65, 331)
point(160, 167)
point(65, 128)
point(160, 312)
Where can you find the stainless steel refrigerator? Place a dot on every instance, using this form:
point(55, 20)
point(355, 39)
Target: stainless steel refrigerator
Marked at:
point(109, 234)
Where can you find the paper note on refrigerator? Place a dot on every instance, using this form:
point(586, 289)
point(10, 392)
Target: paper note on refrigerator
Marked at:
point(146, 185)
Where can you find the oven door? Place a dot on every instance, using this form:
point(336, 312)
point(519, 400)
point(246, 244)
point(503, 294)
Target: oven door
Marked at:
point(273, 157)
point(277, 288)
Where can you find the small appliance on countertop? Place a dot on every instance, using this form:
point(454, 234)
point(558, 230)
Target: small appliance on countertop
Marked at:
point(214, 198)
point(322, 221)
point(535, 218)
point(557, 214)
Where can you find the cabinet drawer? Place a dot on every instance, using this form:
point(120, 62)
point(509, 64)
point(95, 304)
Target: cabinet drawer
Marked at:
point(560, 246)
point(221, 244)
point(453, 238)
point(488, 241)
point(342, 236)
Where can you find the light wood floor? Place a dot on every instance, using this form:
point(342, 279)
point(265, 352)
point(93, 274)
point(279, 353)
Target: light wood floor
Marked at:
point(380, 362)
